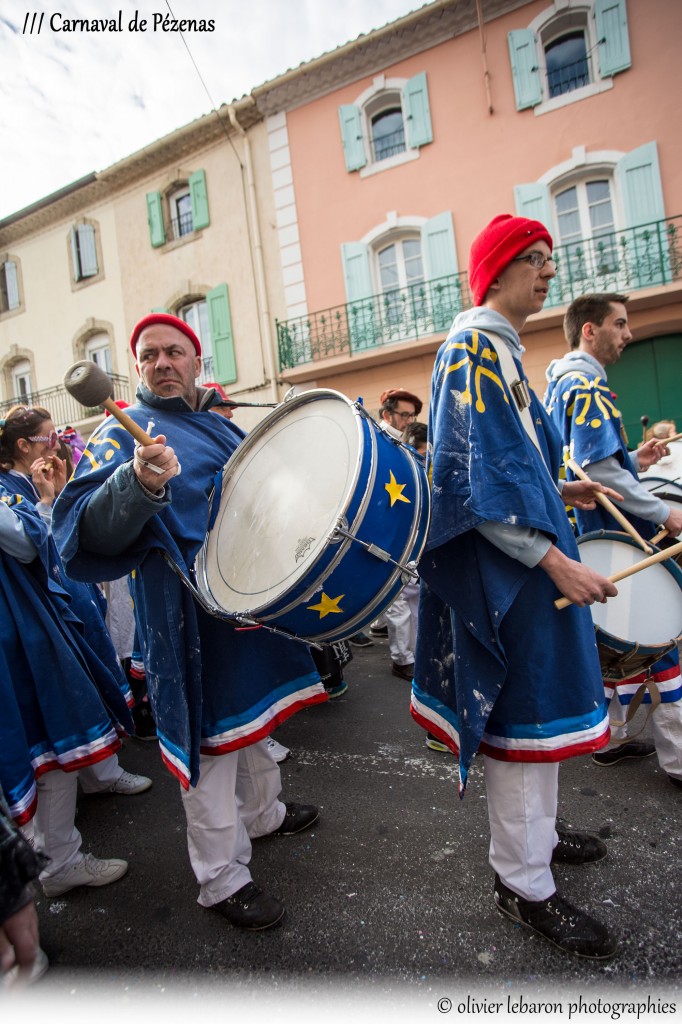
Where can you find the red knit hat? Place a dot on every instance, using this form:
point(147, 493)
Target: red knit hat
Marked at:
point(497, 245)
point(170, 321)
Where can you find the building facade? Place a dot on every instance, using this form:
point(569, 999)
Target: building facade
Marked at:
point(389, 154)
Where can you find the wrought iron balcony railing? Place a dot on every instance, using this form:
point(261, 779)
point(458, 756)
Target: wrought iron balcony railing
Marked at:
point(625, 260)
point(62, 406)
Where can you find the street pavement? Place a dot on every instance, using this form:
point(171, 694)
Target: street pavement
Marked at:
point(389, 896)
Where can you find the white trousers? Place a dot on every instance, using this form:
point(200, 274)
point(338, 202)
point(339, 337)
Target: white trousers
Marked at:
point(401, 622)
point(54, 826)
point(100, 776)
point(522, 807)
point(666, 731)
point(236, 800)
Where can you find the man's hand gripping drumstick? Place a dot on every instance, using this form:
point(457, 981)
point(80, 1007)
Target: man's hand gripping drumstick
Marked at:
point(155, 463)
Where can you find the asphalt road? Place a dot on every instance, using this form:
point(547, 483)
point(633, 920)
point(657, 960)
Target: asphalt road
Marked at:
point(389, 897)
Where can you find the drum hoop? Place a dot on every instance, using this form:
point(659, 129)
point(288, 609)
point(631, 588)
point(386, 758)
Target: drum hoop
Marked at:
point(670, 564)
point(261, 429)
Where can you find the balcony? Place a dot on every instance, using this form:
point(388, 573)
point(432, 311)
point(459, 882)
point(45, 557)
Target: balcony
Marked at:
point(628, 260)
point(63, 408)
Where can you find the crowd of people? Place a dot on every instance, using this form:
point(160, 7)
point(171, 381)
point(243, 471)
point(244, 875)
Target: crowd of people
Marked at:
point(496, 669)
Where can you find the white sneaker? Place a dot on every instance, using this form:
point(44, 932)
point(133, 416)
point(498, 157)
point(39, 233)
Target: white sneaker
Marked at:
point(88, 871)
point(40, 965)
point(276, 749)
point(129, 784)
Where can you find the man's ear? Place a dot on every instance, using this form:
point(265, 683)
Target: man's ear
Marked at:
point(587, 331)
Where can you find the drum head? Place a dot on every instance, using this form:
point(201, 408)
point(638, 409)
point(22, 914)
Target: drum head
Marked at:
point(283, 492)
point(660, 484)
point(648, 608)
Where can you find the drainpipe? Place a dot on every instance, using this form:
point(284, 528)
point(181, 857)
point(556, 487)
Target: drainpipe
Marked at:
point(267, 344)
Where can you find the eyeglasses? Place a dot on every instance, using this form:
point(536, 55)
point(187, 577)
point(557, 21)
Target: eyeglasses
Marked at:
point(406, 415)
point(52, 439)
point(536, 260)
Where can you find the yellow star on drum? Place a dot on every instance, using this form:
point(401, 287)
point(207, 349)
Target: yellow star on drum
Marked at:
point(327, 605)
point(395, 491)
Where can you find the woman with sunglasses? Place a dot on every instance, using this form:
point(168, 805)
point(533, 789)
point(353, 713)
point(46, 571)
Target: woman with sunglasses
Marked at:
point(29, 445)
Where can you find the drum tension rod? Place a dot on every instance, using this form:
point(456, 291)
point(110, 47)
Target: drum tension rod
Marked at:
point(374, 549)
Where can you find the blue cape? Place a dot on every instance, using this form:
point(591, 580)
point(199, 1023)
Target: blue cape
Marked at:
point(213, 688)
point(61, 706)
point(498, 668)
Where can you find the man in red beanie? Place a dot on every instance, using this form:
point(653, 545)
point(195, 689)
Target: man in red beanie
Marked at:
point(216, 692)
point(498, 668)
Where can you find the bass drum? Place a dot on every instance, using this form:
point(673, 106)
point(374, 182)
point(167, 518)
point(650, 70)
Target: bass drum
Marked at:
point(320, 511)
point(644, 621)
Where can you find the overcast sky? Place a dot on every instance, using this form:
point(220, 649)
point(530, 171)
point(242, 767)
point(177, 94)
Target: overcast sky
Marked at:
point(72, 102)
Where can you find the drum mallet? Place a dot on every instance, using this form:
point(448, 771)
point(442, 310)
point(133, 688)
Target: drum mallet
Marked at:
point(90, 385)
point(660, 556)
point(644, 420)
point(610, 507)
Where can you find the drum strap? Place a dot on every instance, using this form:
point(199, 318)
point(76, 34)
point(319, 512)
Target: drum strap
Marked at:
point(518, 388)
point(652, 687)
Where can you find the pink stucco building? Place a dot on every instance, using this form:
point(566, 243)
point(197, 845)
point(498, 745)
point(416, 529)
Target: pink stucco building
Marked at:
point(390, 153)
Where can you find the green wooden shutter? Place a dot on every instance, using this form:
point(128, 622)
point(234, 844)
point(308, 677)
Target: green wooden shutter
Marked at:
point(646, 380)
point(11, 285)
point(87, 250)
point(157, 232)
point(440, 261)
point(612, 36)
point(417, 112)
point(360, 311)
point(222, 340)
point(350, 119)
point(199, 198)
point(644, 250)
point(533, 200)
point(525, 70)
point(75, 255)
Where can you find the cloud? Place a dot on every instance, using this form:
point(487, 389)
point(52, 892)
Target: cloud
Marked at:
point(74, 102)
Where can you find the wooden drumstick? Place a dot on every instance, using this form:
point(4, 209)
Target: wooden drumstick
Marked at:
point(659, 536)
point(667, 440)
point(610, 507)
point(90, 385)
point(660, 556)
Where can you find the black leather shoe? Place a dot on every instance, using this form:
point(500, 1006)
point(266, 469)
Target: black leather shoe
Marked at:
point(572, 930)
point(251, 908)
point(403, 671)
point(635, 748)
point(578, 848)
point(675, 781)
point(298, 817)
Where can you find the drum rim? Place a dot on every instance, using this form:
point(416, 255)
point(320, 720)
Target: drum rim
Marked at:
point(262, 428)
point(669, 563)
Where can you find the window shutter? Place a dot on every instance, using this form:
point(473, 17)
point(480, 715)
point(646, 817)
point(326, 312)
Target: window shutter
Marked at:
point(199, 198)
point(75, 256)
point(417, 112)
point(440, 262)
point(354, 153)
point(157, 232)
point(220, 322)
point(525, 70)
point(11, 284)
point(612, 36)
point(533, 201)
point(362, 327)
point(646, 249)
point(87, 250)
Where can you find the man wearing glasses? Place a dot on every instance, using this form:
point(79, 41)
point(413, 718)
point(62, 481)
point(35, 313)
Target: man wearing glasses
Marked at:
point(498, 669)
point(398, 409)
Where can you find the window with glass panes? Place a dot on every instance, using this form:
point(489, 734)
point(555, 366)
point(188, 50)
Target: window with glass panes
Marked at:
point(196, 315)
point(586, 225)
point(401, 274)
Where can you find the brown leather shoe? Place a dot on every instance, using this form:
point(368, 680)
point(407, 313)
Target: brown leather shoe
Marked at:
point(403, 671)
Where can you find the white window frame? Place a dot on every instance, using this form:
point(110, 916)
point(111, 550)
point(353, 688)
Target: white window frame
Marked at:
point(98, 349)
point(173, 197)
point(21, 372)
point(383, 94)
point(545, 33)
point(203, 334)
